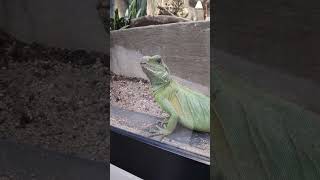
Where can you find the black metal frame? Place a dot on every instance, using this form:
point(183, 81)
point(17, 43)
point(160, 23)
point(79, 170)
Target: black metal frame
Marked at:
point(153, 160)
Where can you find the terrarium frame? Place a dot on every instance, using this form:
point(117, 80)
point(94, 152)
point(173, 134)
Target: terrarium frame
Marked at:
point(151, 159)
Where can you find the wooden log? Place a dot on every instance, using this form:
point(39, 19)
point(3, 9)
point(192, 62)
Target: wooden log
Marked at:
point(156, 20)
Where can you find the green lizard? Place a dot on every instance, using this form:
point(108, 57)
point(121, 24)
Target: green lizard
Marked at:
point(257, 136)
point(187, 107)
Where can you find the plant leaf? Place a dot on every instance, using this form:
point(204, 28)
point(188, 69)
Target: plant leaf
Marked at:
point(138, 14)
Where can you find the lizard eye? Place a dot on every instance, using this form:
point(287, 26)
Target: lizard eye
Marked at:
point(158, 60)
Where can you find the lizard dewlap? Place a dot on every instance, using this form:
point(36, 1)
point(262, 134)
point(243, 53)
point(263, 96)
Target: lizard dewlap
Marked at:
point(187, 107)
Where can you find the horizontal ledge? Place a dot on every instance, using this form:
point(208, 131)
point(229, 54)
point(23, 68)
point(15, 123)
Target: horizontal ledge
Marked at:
point(182, 141)
point(163, 25)
point(147, 158)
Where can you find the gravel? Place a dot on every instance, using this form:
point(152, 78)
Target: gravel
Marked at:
point(134, 94)
point(54, 98)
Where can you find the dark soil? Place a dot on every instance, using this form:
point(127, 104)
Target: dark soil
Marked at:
point(54, 98)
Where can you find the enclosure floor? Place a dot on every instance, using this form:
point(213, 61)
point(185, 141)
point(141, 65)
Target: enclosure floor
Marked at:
point(54, 98)
point(134, 94)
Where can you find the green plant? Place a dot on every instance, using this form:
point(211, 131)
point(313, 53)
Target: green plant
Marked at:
point(142, 5)
point(136, 9)
point(118, 22)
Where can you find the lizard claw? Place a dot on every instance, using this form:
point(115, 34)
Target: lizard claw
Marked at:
point(159, 123)
point(159, 132)
point(156, 130)
point(163, 124)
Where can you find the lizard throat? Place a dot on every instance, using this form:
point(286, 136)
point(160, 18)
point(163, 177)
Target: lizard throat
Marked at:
point(158, 87)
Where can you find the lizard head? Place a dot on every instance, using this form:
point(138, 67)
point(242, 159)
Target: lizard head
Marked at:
point(156, 70)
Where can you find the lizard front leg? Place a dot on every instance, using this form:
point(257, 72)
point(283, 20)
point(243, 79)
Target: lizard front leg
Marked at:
point(172, 122)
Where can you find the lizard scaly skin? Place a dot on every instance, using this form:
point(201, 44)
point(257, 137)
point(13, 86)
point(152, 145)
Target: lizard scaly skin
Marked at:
point(185, 106)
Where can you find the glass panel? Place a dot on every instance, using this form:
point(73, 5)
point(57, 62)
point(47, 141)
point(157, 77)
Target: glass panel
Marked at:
point(173, 84)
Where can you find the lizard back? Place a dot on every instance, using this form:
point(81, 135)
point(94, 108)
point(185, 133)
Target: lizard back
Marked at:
point(193, 108)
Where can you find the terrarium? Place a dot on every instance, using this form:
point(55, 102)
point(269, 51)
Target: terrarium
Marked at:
point(182, 48)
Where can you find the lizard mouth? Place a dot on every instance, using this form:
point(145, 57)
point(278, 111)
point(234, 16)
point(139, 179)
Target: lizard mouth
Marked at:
point(144, 60)
point(143, 64)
